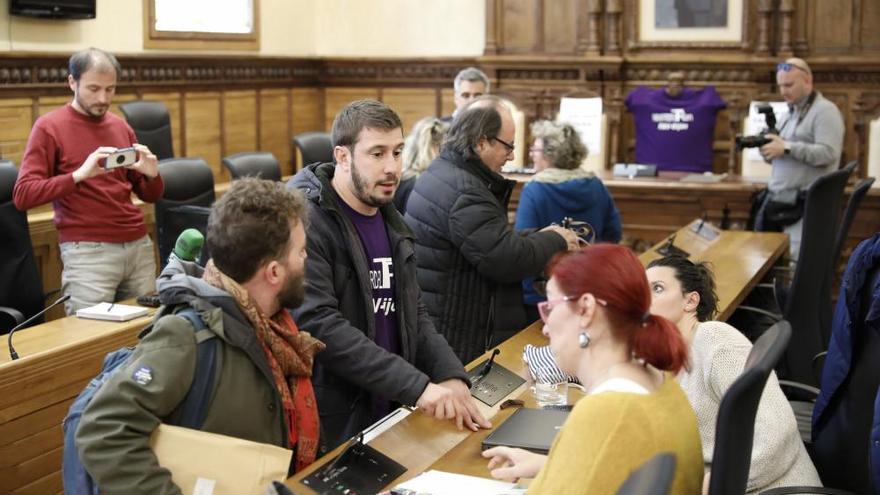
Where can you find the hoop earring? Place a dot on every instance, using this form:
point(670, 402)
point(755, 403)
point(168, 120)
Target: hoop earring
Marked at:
point(583, 340)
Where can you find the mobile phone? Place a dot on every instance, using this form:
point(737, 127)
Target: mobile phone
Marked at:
point(122, 157)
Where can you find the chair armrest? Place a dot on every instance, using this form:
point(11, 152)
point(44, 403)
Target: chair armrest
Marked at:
point(807, 391)
point(786, 490)
point(13, 313)
point(775, 316)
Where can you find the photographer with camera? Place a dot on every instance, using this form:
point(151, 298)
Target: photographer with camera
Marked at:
point(85, 160)
point(807, 145)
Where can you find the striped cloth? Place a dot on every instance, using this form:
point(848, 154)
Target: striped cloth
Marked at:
point(542, 366)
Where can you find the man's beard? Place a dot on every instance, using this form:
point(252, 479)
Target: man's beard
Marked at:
point(91, 110)
point(360, 189)
point(294, 291)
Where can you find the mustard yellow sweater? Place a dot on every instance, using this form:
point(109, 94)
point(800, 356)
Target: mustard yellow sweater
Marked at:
point(608, 435)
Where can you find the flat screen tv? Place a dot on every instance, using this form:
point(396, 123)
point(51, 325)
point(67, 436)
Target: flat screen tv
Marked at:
point(54, 9)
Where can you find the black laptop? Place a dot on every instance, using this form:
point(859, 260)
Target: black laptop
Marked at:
point(530, 429)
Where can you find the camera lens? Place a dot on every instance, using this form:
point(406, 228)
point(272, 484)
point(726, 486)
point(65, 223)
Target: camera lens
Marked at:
point(120, 159)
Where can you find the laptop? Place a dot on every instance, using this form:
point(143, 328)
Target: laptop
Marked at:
point(530, 429)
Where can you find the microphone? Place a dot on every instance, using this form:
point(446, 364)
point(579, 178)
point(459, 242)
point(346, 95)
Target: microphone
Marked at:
point(188, 246)
point(12, 353)
point(487, 367)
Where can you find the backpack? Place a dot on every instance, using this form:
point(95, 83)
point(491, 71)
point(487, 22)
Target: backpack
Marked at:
point(189, 414)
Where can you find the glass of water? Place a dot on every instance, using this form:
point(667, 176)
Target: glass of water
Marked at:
point(548, 393)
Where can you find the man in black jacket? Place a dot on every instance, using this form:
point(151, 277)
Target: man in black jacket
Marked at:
point(362, 299)
point(471, 262)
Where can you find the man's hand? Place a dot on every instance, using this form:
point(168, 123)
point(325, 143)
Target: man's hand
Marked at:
point(571, 239)
point(147, 163)
point(452, 399)
point(774, 149)
point(509, 464)
point(92, 166)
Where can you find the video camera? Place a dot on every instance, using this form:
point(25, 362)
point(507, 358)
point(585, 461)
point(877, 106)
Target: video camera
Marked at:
point(758, 140)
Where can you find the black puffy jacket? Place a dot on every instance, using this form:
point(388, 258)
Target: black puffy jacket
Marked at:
point(338, 311)
point(471, 262)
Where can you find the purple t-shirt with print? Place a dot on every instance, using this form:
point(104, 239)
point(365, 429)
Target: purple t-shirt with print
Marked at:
point(675, 133)
point(377, 249)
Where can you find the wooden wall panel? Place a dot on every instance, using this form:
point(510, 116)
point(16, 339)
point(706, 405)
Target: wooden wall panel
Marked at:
point(239, 122)
point(172, 102)
point(16, 119)
point(870, 35)
point(447, 102)
point(411, 104)
point(120, 99)
point(306, 114)
point(518, 32)
point(275, 126)
point(46, 104)
point(560, 26)
point(336, 98)
point(203, 130)
point(832, 25)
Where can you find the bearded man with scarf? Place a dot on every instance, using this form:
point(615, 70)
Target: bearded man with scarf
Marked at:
point(262, 388)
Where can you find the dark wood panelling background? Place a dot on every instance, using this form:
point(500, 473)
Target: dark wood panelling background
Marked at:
point(536, 51)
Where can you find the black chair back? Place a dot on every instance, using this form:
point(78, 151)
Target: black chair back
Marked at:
point(189, 183)
point(849, 214)
point(260, 164)
point(808, 303)
point(735, 426)
point(152, 126)
point(314, 147)
point(842, 437)
point(652, 478)
point(21, 287)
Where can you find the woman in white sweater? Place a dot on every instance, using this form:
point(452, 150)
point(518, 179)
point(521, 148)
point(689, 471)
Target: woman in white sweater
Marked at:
point(684, 292)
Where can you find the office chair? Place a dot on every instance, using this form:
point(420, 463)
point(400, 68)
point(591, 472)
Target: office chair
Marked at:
point(313, 147)
point(189, 193)
point(260, 164)
point(735, 426)
point(21, 288)
point(805, 303)
point(651, 478)
point(849, 214)
point(152, 126)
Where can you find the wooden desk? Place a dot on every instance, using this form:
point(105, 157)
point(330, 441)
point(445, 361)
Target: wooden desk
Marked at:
point(739, 259)
point(420, 442)
point(57, 360)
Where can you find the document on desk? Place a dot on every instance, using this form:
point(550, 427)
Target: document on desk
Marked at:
point(442, 483)
point(112, 312)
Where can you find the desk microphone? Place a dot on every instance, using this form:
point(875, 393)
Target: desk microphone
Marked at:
point(12, 353)
point(486, 368)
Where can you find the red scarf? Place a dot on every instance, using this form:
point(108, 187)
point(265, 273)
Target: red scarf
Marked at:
point(290, 354)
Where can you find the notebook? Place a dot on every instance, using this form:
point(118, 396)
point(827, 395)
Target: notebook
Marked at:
point(530, 429)
point(112, 312)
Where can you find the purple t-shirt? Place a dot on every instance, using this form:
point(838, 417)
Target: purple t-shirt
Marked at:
point(377, 249)
point(675, 133)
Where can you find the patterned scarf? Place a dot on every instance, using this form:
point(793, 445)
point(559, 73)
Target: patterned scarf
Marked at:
point(290, 354)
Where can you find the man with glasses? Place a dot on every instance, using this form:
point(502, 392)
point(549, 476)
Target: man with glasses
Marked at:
point(470, 84)
point(470, 261)
point(808, 146)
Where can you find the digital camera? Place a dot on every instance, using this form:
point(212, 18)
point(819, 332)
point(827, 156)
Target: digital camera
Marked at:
point(758, 140)
point(122, 157)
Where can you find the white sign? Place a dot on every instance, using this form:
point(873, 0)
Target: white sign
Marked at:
point(585, 115)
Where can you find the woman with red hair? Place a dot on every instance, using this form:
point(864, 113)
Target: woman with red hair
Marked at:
point(596, 316)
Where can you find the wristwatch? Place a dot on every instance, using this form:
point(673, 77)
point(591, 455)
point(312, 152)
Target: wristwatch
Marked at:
point(787, 148)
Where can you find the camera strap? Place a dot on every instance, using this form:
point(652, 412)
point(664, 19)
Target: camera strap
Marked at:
point(802, 113)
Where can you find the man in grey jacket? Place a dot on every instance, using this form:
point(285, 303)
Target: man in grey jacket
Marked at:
point(808, 146)
point(261, 387)
point(362, 299)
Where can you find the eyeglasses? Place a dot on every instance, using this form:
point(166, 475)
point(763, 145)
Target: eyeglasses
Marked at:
point(546, 307)
point(786, 67)
point(507, 145)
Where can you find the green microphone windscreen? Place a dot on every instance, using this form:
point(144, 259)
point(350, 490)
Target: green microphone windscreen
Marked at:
point(189, 245)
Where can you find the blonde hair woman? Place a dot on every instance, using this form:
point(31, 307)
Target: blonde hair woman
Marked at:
point(419, 150)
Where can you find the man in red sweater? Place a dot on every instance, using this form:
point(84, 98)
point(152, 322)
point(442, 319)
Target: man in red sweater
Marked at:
point(105, 249)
